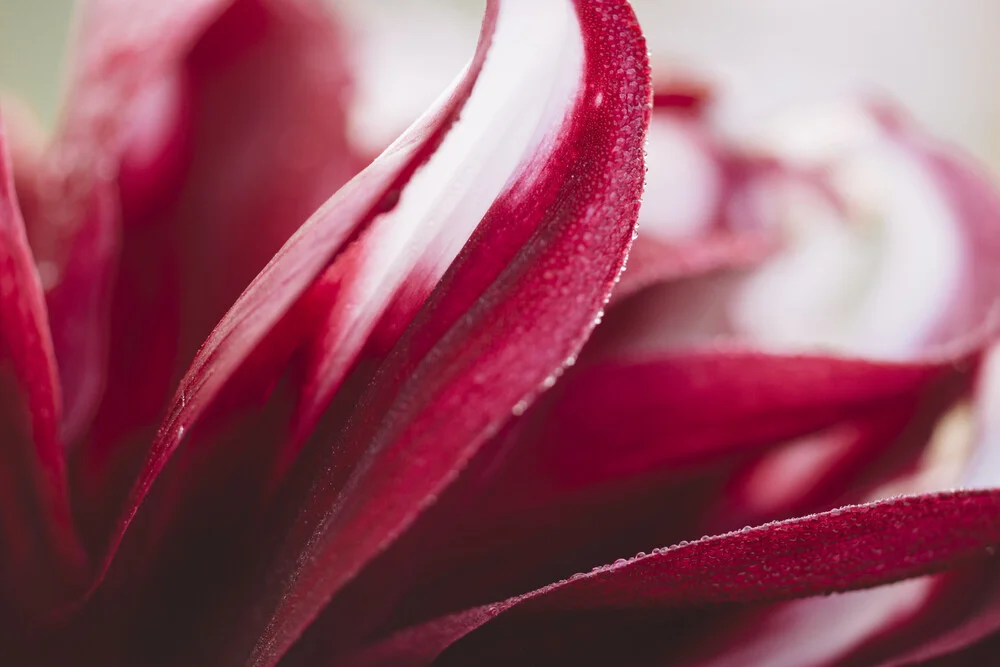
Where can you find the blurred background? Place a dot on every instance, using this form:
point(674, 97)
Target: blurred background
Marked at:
point(937, 57)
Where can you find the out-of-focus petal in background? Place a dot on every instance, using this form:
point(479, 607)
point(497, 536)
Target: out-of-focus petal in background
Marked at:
point(936, 57)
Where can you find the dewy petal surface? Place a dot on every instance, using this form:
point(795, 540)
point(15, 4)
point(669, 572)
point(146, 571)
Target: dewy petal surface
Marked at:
point(516, 304)
point(852, 547)
point(73, 215)
point(948, 330)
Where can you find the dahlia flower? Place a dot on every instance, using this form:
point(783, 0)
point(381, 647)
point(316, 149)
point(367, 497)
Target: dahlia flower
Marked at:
point(264, 402)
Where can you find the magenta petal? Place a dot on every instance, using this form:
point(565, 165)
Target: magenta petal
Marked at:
point(490, 335)
point(973, 197)
point(283, 281)
point(41, 555)
point(617, 418)
point(221, 134)
point(974, 610)
point(849, 548)
point(73, 218)
point(698, 215)
point(654, 261)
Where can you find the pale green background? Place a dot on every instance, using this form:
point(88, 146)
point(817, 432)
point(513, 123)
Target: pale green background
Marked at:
point(32, 48)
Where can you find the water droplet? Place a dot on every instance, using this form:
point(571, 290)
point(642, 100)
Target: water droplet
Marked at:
point(520, 407)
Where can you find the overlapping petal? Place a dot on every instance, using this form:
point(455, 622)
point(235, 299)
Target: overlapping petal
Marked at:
point(665, 378)
point(461, 369)
point(43, 558)
point(849, 548)
point(357, 459)
point(502, 278)
point(696, 217)
point(184, 128)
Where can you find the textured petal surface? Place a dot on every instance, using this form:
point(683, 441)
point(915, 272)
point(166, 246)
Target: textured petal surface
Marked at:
point(504, 319)
point(619, 419)
point(869, 430)
point(849, 548)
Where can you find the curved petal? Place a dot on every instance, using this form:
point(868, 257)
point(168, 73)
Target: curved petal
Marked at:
point(973, 601)
point(849, 548)
point(967, 207)
point(41, 554)
point(850, 278)
point(614, 419)
point(695, 217)
point(518, 302)
point(216, 126)
point(286, 278)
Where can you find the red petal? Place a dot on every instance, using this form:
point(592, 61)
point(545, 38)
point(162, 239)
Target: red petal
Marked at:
point(72, 217)
point(276, 290)
point(653, 261)
point(41, 554)
point(972, 601)
point(695, 218)
point(688, 95)
point(616, 419)
point(976, 208)
point(221, 138)
point(849, 548)
point(576, 484)
point(490, 335)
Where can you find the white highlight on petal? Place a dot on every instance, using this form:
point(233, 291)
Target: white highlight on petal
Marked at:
point(872, 278)
point(405, 53)
point(819, 631)
point(684, 181)
point(814, 136)
point(529, 82)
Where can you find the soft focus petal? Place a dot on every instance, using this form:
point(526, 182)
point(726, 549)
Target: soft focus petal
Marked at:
point(853, 276)
point(613, 420)
point(852, 547)
point(973, 600)
point(220, 125)
point(42, 557)
point(694, 218)
point(856, 445)
point(288, 276)
point(494, 331)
